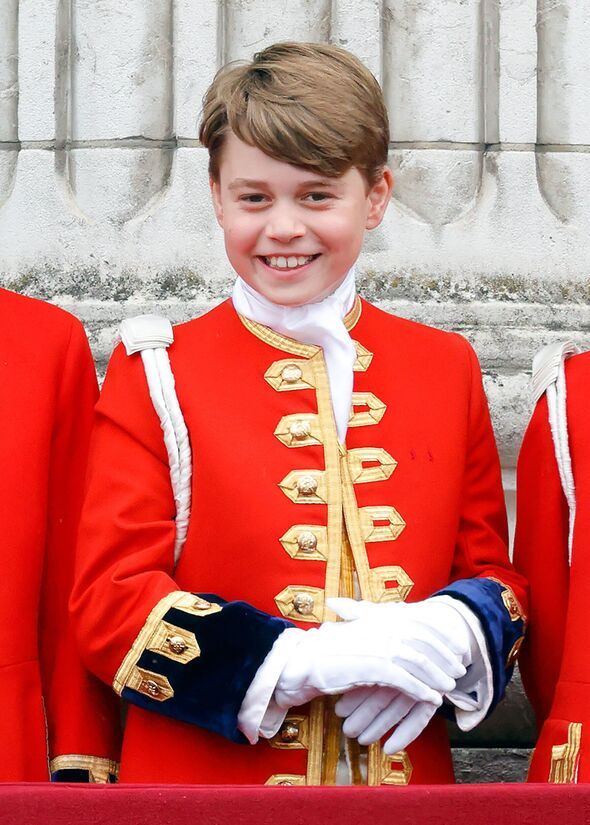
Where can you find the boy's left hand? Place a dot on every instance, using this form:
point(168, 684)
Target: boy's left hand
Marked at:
point(370, 712)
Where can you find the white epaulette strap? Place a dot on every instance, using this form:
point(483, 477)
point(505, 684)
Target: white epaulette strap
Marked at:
point(151, 335)
point(549, 377)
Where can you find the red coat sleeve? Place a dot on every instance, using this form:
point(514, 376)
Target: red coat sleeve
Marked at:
point(540, 554)
point(158, 646)
point(82, 716)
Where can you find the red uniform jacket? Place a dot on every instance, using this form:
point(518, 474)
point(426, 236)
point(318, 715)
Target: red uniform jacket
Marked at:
point(556, 663)
point(415, 493)
point(49, 701)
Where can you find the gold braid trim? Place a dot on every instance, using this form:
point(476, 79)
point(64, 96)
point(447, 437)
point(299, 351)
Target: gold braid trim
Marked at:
point(565, 758)
point(152, 632)
point(99, 768)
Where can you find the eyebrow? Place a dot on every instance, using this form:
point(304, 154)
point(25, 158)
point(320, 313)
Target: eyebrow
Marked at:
point(261, 184)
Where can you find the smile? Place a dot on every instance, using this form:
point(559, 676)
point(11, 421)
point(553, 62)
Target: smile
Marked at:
point(287, 262)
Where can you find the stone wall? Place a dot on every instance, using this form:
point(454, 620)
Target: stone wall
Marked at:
point(104, 205)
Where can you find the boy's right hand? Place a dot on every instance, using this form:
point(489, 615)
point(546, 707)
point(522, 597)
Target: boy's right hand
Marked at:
point(392, 650)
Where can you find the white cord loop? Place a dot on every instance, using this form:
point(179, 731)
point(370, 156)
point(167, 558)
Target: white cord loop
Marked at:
point(150, 335)
point(549, 376)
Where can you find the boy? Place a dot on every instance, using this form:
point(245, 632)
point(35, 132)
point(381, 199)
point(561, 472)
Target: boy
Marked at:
point(51, 706)
point(300, 402)
point(552, 534)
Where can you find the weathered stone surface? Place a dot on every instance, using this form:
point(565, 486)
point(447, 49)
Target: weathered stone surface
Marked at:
point(491, 764)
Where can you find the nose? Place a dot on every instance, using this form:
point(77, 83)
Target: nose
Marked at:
point(284, 224)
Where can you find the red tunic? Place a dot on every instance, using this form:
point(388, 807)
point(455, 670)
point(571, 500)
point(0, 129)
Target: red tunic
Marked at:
point(416, 491)
point(49, 701)
point(555, 662)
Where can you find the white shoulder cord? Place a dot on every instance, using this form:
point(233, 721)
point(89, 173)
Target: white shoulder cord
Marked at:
point(549, 376)
point(151, 335)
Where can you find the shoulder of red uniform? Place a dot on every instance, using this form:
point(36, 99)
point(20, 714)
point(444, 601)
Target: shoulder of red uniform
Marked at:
point(35, 321)
point(418, 335)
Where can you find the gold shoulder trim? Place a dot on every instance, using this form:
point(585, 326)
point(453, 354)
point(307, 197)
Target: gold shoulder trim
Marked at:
point(99, 768)
point(565, 758)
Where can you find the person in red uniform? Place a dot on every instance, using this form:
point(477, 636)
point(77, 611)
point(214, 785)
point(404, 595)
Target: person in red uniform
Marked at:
point(552, 535)
point(52, 707)
point(343, 467)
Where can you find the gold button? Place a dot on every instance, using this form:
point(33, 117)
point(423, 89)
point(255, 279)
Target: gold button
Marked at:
point(303, 604)
point(289, 732)
point(307, 541)
point(285, 782)
point(291, 374)
point(201, 604)
point(300, 429)
point(307, 485)
point(177, 644)
point(151, 687)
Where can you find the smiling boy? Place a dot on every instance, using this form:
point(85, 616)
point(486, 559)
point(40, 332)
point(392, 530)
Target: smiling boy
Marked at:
point(337, 451)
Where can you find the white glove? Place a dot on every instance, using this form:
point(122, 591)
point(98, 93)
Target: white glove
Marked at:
point(371, 712)
point(386, 647)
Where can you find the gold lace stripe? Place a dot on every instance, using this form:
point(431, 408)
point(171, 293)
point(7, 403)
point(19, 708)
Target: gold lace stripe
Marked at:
point(565, 758)
point(282, 342)
point(99, 768)
point(316, 742)
point(331, 478)
point(144, 637)
point(355, 534)
point(331, 743)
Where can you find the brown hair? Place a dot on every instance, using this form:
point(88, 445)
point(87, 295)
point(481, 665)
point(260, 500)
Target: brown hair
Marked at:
point(312, 105)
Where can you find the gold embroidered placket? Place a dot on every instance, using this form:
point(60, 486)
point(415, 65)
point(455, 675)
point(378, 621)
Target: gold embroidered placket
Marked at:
point(333, 487)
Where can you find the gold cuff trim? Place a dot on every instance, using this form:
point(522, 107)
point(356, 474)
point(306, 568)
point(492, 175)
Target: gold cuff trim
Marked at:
point(286, 779)
point(293, 734)
point(175, 643)
point(565, 758)
point(511, 603)
point(514, 651)
point(306, 542)
point(388, 770)
point(152, 634)
point(99, 768)
point(382, 463)
point(302, 603)
point(373, 528)
point(374, 412)
point(305, 486)
point(286, 375)
point(299, 430)
point(363, 358)
point(400, 584)
point(150, 684)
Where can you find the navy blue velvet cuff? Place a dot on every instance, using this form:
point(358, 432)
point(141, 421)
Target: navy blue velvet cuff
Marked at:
point(502, 622)
point(74, 775)
point(209, 690)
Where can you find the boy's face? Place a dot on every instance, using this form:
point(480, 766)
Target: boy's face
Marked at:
point(292, 234)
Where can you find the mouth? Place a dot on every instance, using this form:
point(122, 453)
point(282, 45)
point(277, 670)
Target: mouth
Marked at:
point(287, 263)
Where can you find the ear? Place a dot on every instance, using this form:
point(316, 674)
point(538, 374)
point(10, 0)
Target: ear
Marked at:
point(378, 198)
point(216, 198)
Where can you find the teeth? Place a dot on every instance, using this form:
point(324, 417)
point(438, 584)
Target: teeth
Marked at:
point(281, 262)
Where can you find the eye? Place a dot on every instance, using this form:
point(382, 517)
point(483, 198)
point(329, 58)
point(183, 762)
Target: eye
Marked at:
point(254, 198)
point(317, 197)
